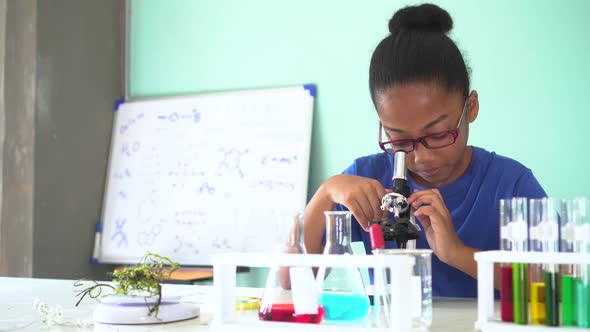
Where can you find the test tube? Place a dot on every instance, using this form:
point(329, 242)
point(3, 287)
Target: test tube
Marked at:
point(551, 244)
point(519, 234)
point(537, 278)
point(568, 271)
point(506, 300)
point(582, 245)
point(544, 236)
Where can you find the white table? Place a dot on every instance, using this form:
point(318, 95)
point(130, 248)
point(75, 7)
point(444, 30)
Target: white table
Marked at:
point(17, 313)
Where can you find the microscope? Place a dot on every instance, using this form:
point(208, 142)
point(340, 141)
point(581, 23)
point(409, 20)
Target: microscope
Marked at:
point(402, 227)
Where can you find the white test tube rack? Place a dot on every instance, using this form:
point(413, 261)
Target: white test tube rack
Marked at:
point(486, 321)
point(224, 285)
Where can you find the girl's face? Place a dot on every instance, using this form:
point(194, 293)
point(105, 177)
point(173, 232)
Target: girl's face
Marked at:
point(416, 110)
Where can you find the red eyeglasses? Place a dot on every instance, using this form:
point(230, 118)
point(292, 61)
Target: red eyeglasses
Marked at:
point(432, 141)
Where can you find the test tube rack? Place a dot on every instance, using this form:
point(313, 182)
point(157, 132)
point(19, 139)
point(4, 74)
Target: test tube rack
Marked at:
point(224, 287)
point(486, 321)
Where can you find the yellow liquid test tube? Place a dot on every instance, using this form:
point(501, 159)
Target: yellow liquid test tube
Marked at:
point(538, 303)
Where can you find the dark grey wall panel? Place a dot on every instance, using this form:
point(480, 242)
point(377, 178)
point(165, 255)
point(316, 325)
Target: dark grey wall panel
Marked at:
point(3, 255)
point(16, 229)
point(79, 76)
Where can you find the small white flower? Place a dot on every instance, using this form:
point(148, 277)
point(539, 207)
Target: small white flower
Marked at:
point(51, 315)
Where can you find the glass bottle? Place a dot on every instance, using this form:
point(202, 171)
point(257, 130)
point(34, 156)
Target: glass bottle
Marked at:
point(342, 291)
point(290, 294)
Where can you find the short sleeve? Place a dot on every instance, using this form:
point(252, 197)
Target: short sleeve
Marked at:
point(528, 186)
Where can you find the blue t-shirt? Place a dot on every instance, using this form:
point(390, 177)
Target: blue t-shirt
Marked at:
point(472, 200)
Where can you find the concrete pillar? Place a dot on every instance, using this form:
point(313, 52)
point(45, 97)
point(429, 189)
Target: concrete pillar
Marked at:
point(2, 48)
point(20, 41)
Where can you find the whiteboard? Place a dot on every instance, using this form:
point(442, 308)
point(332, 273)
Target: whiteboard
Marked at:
point(194, 175)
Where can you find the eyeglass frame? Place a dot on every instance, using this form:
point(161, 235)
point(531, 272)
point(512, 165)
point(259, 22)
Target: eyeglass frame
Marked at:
point(454, 133)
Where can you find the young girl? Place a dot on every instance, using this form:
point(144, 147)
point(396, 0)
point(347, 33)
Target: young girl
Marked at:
point(419, 85)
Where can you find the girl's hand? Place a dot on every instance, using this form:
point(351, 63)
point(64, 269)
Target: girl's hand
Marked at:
point(431, 211)
point(362, 196)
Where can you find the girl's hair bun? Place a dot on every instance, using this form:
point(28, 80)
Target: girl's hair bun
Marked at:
point(426, 17)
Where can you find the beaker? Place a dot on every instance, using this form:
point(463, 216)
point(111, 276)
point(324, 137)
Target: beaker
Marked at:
point(342, 291)
point(420, 302)
point(290, 294)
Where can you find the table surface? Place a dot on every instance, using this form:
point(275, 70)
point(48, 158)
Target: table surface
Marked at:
point(18, 294)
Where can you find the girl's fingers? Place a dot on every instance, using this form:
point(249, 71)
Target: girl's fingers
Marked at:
point(358, 213)
point(425, 210)
point(365, 204)
point(427, 198)
point(378, 197)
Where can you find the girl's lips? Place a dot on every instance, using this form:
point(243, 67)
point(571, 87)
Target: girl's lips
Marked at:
point(429, 172)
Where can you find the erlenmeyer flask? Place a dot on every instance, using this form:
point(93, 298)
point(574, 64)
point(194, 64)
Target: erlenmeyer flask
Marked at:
point(342, 292)
point(290, 294)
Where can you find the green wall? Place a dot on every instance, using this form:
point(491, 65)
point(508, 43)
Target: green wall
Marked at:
point(529, 59)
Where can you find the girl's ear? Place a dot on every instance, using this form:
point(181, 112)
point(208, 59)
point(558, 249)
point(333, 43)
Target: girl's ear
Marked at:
point(473, 106)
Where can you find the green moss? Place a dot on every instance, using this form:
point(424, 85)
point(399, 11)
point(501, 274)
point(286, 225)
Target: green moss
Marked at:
point(143, 280)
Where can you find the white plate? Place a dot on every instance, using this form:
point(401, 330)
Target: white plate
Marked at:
point(138, 314)
point(129, 299)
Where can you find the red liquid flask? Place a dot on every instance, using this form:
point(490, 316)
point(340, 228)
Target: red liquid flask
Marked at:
point(285, 312)
point(284, 284)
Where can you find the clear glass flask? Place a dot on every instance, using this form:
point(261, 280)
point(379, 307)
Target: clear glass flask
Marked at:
point(290, 294)
point(342, 291)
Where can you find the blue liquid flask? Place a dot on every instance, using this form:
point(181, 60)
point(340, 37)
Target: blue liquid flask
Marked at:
point(342, 291)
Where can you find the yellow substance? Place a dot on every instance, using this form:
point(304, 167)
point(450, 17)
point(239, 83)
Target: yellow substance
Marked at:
point(247, 303)
point(538, 303)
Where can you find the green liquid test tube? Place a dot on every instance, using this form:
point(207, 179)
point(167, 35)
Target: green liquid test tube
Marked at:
point(575, 282)
point(551, 299)
point(568, 300)
point(519, 285)
point(583, 303)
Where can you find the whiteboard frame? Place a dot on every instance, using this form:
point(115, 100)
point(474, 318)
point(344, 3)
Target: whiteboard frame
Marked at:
point(305, 161)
